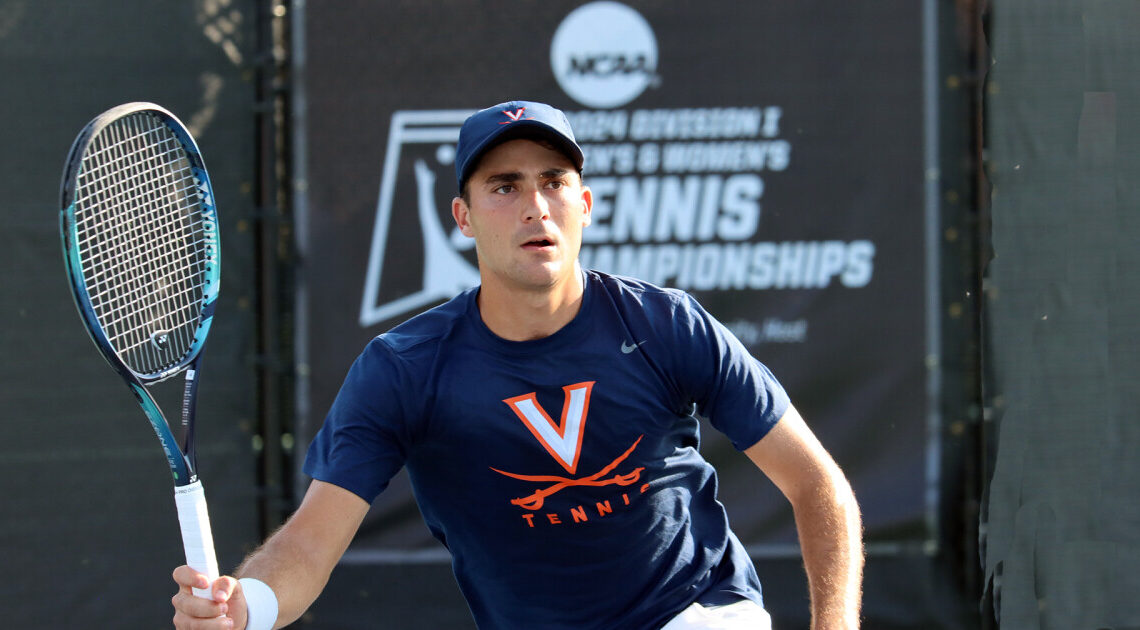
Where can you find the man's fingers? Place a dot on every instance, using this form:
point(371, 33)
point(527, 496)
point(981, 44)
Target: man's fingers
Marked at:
point(192, 612)
point(188, 606)
point(188, 578)
point(182, 621)
point(223, 588)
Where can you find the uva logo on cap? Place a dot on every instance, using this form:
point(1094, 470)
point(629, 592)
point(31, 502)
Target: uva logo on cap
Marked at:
point(515, 116)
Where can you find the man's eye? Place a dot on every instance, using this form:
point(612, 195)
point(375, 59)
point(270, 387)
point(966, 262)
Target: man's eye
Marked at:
point(555, 184)
point(504, 189)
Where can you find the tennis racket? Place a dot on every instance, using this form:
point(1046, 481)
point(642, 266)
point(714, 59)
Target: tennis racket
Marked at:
point(140, 243)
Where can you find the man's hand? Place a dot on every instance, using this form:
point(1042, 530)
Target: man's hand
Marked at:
point(225, 612)
point(295, 563)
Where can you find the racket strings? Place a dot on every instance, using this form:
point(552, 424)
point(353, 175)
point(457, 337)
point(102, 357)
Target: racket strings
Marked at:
point(124, 315)
point(141, 239)
point(156, 166)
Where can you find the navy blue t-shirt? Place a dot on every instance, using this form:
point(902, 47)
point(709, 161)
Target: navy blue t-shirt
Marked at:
point(563, 474)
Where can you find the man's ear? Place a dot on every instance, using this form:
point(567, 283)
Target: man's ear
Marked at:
point(462, 215)
point(587, 205)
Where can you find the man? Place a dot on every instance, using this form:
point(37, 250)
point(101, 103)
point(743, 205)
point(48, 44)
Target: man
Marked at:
point(604, 518)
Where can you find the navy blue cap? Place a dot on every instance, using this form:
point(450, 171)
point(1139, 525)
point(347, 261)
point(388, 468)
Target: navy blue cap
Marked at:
point(488, 127)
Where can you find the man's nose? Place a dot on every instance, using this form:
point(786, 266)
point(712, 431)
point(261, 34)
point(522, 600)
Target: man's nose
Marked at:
point(536, 206)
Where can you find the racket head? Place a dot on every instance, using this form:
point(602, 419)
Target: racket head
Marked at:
point(140, 240)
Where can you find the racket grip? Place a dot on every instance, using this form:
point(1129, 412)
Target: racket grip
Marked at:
point(197, 540)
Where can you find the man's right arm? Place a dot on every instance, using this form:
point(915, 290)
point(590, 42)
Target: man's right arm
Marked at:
point(295, 562)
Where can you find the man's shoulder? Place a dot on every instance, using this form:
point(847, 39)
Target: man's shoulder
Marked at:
point(646, 294)
point(429, 328)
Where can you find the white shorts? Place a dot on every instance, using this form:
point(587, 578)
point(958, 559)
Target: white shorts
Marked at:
point(741, 615)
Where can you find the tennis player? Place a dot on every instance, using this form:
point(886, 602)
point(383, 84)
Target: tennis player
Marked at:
point(548, 422)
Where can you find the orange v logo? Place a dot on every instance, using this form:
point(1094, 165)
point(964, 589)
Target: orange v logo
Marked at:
point(564, 440)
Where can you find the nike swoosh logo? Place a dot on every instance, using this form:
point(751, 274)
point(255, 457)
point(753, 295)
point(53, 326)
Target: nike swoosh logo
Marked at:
point(626, 348)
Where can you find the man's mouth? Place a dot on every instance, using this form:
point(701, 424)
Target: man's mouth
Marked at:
point(536, 243)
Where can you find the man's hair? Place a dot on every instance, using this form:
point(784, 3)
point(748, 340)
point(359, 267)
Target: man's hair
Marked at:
point(535, 136)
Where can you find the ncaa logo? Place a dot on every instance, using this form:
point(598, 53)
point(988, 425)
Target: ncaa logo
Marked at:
point(604, 54)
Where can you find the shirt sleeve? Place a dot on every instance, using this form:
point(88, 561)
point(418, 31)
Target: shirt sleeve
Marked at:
point(365, 439)
point(737, 393)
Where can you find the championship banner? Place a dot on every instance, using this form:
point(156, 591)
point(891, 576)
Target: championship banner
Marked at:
point(766, 157)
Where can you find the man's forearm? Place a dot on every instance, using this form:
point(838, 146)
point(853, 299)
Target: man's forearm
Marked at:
point(827, 518)
point(830, 531)
point(294, 578)
point(297, 560)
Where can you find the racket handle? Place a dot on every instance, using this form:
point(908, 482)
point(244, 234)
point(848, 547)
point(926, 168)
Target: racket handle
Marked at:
point(197, 539)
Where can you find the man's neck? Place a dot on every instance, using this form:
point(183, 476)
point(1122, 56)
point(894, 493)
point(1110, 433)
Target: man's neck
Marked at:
point(518, 314)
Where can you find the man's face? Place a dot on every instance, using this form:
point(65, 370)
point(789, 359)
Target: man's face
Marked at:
point(525, 207)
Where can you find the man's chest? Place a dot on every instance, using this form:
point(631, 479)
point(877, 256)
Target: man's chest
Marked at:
point(582, 435)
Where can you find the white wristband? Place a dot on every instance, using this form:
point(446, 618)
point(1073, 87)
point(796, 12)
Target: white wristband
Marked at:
point(260, 604)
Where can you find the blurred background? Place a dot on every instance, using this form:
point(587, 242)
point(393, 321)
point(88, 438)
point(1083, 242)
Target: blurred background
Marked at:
point(920, 214)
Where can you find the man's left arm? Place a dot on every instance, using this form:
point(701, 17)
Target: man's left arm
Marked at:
point(827, 518)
